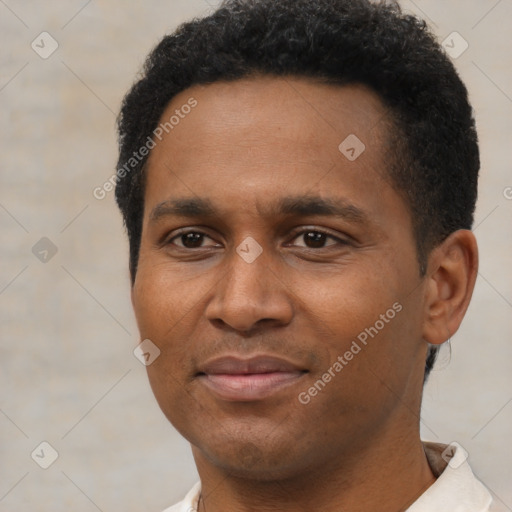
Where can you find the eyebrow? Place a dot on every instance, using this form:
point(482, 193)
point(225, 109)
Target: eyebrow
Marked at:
point(184, 207)
point(315, 205)
point(306, 205)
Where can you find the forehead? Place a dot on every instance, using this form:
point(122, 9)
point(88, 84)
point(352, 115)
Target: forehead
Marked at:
point(259, 137)
point(264, 108)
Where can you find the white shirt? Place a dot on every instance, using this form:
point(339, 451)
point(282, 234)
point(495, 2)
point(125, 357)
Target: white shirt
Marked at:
point(455, 490)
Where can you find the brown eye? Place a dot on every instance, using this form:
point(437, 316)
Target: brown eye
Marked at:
point(191, 240)
point(313, 239)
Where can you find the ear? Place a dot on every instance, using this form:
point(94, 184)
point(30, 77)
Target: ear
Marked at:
point(451, 276)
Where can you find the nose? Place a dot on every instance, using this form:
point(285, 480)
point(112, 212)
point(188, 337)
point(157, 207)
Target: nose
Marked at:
point(250, 295)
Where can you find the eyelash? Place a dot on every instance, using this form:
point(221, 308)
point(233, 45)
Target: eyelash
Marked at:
point(297, 234)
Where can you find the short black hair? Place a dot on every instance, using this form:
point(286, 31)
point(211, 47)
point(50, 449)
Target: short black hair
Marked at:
point(435, 156)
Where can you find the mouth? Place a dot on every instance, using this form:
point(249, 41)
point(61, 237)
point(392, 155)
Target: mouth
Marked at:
point(244, 380)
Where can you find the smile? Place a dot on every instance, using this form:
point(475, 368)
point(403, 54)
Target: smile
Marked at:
point(234, 379)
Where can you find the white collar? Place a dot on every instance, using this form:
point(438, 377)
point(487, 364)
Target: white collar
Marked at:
point(455, 490)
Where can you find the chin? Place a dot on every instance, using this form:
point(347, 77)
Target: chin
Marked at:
point(247, 459)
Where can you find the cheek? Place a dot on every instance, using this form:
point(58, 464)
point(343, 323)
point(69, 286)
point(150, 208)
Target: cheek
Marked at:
point(367, 319)
point(161, 298)
point(168, 308)
point(348, 299)
point(161, 311)
point(150, 307)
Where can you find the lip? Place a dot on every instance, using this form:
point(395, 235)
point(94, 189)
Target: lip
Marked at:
point(235, 379)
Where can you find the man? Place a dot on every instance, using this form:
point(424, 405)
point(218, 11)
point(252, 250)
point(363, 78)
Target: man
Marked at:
point(298, 181)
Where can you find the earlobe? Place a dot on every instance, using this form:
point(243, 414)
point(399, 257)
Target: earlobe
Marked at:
point(451, 276)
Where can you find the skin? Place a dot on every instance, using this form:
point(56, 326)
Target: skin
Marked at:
point(249, 143)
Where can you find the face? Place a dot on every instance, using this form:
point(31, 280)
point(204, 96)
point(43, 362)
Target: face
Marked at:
point(278, 277)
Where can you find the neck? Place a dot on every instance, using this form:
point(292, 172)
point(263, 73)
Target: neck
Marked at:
point(386, 475)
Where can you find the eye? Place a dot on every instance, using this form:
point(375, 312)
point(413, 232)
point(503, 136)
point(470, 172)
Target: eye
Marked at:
point(314, 239)
point(190, 240)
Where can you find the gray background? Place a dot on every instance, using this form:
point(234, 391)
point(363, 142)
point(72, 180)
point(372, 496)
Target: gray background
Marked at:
point(68, 375)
